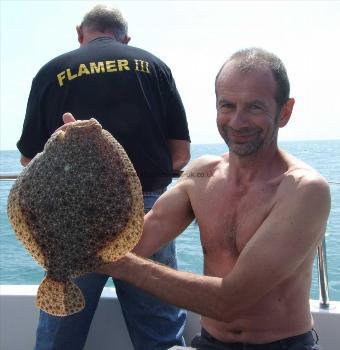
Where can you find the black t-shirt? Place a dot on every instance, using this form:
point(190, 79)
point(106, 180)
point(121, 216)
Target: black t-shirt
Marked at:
point(128, 90)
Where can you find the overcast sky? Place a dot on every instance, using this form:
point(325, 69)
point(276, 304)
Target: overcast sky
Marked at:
point(194, 38)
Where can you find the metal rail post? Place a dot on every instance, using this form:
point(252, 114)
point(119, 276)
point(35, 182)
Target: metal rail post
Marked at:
point(323, 275)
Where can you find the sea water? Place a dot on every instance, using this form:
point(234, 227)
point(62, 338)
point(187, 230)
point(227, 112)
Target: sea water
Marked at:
point(17, 266)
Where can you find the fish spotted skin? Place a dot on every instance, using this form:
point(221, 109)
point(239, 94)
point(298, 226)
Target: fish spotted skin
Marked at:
point(76, 205)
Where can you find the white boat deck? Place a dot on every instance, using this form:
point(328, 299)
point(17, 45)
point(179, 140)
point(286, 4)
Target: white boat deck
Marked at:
point(19, 316)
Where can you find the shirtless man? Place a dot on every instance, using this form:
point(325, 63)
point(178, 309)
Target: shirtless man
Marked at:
point(261, 214)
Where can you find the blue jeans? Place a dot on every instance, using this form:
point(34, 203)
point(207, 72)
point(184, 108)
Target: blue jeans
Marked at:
point(152, 324)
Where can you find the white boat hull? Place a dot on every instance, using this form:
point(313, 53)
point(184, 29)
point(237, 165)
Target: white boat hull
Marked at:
point(19, 316)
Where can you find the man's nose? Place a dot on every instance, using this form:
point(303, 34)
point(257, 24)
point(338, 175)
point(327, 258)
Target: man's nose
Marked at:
point(238, 120)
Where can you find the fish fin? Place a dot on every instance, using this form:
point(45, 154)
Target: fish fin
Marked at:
point(21, 228)
point(128, 238)
point(59, 298)
point(124, 242)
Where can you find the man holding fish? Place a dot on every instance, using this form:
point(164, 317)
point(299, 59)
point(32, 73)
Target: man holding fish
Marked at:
point(261, 215)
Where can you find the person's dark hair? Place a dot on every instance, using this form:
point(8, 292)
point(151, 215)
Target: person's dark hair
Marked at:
point(103, 18)
point(252, 58)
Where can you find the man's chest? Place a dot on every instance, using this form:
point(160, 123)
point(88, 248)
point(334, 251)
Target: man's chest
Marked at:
point(229, 217)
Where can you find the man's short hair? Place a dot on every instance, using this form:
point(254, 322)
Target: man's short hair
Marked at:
point(251, 58)
point(104, 18)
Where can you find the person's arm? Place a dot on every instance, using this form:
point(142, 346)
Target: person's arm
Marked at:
point(67, 118)
point(177, 130)
point(24, 160)
point(288, 236)
point(34, 131)
point(169, 217)
point(180, 153)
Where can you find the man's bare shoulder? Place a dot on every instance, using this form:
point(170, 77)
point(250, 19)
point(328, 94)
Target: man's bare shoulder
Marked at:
point(204, 167)
point(301, 179)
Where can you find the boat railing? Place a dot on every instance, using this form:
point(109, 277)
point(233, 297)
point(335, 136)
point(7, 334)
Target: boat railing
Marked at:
point(322, 256)
point(8, 176)
point(323, 275)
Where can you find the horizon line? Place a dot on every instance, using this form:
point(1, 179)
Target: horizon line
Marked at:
point(221, 143)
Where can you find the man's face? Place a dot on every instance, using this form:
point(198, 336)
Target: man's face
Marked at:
point(247, 113)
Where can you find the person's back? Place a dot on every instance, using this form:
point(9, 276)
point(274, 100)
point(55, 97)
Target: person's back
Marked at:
point(128, 90)
point(133, 95)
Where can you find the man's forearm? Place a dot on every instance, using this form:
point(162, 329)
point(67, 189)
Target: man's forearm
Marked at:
point(201, 294)
point(180, 154)
point(24, 160)
point(178, 165)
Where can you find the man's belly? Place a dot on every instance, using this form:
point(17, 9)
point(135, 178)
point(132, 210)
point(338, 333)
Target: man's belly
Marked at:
point(264, 323)
point(283, 312)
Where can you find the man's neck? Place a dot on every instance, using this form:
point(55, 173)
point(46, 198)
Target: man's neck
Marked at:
point(90, 36)
point(263, 165)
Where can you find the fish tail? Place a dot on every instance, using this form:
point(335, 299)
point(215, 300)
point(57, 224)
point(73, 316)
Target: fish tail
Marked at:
point(59, 298)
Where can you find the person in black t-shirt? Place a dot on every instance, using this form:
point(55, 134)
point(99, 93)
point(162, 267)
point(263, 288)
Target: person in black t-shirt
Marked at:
point(133, 95)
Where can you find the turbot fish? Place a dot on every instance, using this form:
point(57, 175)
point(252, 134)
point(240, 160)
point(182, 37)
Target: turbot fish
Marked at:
point(77, 205)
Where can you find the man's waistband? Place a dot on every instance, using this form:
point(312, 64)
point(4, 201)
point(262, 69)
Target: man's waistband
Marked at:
point(305, 338)
point(154, 192)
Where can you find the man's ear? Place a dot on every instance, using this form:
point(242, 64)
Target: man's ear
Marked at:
point(126, 39)
point(80, 34)
point(286, 112)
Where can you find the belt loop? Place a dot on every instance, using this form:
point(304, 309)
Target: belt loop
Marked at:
point(316, 338)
